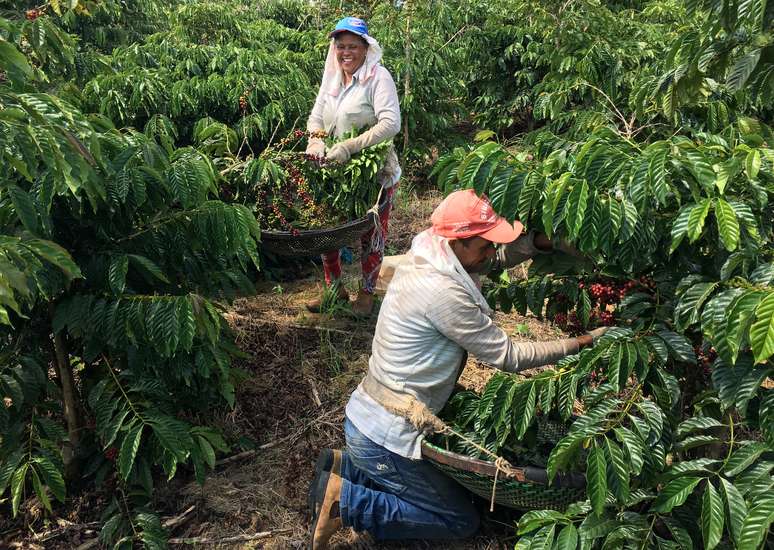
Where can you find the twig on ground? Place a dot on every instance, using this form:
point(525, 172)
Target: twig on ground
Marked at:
point(227, 540)
point(88, 544)
point(322, 329)
point(63, 527)
point(175, 521)
point(315, 393)
point(235, 458)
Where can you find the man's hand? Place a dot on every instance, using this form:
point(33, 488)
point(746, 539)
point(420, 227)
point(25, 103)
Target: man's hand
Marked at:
point(590, 339)
point(339, 153)
point(315, 148)
point(543, 243)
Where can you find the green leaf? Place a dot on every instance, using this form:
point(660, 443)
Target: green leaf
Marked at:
point(700, 168)
point(543, 539)
point(576, 208)
point(17, 487)
point(688, 310)
point(679, 534)
point(596, 479)
point(634, 446)
point(762, 330)
point(40, 490)
point(765, 413)
point(696, 219)
point(128, 451)
point(728, 225)
point(678, 345)
point(529, 192)
point(695, 466)
point(680, 226)
point(675, 493)
point(743, 457)
point(568, 538)
point(742, 69)
point(752, 164)
point(736, 508)
point(739, 318)
point(52, 476)
point(618, 473)
point(119, 265)
point(14, 61)
point(535, 519)
point(763, 274)
point(712, 517)
point(25, 208)
point(504, 192)
point(757, 523)
point(207, 451)
point(697, 423)
point(52, 252)
point(524, 407)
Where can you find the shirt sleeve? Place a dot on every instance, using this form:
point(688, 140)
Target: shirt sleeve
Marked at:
point(315, 121)
point(459, 319)
point(522, 249)
point(387, 111)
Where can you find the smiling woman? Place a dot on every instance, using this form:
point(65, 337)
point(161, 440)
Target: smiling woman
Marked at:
point(357, 92)
point(350, 53)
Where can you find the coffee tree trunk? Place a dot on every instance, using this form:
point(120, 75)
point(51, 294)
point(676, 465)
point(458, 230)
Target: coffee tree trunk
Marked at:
point(70, 402)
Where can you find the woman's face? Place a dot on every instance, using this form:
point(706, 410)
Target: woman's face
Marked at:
point(350, 52)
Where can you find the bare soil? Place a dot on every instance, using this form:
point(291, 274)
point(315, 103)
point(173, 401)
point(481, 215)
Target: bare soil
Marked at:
point(298, 373)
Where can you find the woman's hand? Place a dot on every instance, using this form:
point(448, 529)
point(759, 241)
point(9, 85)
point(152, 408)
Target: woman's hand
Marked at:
point(339, 153)
point(316, 148)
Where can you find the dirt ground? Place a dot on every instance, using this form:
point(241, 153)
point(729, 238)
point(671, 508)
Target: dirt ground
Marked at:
point(299, 372)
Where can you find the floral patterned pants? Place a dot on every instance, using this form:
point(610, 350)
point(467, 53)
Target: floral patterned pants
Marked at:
point(371, 250)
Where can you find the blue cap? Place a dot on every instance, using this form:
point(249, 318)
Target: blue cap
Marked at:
point(351, 24)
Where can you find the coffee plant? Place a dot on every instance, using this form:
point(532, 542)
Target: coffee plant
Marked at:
point(674, 419)
point(141, 147)
point(294, 191)
point(676, 235)
point(113, 245)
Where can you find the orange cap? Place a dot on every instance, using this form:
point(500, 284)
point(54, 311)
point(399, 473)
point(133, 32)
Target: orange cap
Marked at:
point(464, 214)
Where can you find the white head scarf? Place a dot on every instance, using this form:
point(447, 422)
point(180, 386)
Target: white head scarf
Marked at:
point(331, 80)
point(432, 249)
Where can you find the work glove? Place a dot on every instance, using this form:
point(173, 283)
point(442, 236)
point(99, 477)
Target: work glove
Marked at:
point(340, 152)
point(315, 147)
point(383, 130)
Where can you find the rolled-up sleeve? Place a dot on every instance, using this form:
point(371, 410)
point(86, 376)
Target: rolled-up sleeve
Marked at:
point(459, 319)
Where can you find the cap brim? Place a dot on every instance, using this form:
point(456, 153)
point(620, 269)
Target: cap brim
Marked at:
point(504, 232)
point(339, 31)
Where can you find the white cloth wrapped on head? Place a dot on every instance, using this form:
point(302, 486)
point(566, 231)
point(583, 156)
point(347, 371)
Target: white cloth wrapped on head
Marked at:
point(370, 102)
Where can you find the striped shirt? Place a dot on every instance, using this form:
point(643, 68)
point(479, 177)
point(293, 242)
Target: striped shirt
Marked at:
point(429, 317)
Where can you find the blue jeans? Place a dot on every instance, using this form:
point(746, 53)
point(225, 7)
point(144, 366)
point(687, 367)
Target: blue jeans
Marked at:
point(394, 497)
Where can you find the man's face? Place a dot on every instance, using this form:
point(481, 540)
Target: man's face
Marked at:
point(474, 254)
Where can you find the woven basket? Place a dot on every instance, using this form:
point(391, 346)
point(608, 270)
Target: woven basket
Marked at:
point(528, 490)
point(313, 242)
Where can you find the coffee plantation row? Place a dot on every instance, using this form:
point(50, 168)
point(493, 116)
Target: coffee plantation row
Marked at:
point(145, 145)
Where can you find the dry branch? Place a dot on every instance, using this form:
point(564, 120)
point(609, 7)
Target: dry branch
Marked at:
point(173, 522)
point(228, 540)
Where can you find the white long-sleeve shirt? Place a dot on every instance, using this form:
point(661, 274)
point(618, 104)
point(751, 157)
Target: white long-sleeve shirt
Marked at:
point(372, 104)
point(432, 313)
